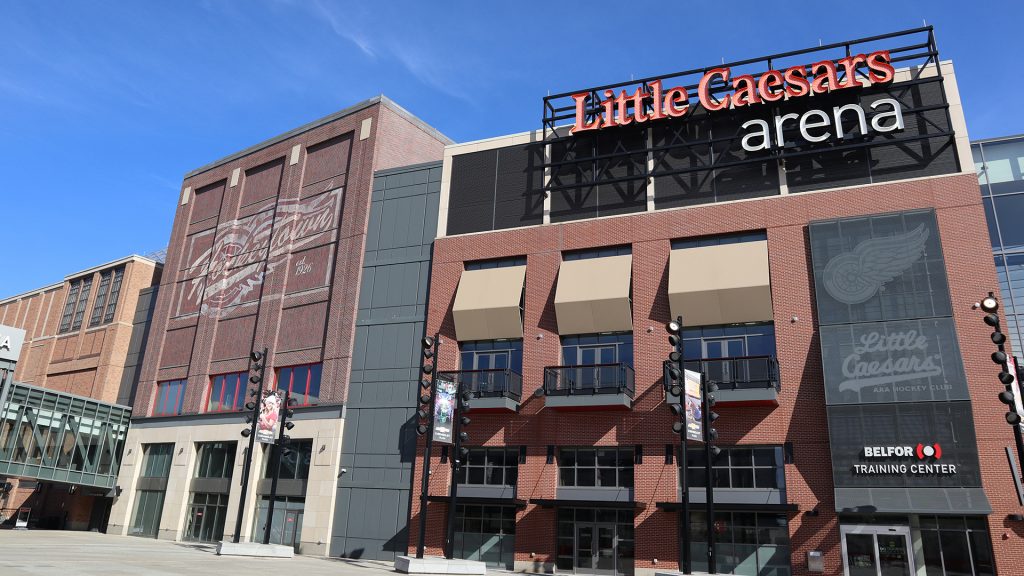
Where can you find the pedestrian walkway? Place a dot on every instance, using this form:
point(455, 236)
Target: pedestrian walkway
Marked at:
point(44, 552)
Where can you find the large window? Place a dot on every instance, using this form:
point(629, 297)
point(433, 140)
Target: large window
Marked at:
point(593, 540)
point(731, 341)
point(106, 296)
point(606, 467)
point(303, 382)
point(486, 534)
point(747, 543)
point(156, 460)
point(227, 392)
point(74, 307)
point(295, 459)
point(490, 467)
point(170, 398)
point(603, 252)
point(492, 355)
point(589, 349)
point(956, 546)
point(149, 504)
point(739, 467)
point(215, 460)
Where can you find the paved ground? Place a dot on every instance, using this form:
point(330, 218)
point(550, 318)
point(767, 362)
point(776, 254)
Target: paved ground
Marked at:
point(43, 552)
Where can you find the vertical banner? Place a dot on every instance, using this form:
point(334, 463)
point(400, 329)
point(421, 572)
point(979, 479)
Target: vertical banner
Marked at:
point(1018, 402)
point(444, 410)
point(270, 410)
point(694, 415)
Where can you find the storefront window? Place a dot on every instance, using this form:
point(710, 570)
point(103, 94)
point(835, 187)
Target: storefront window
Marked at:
point(605, 467)
point(747, 543)
point(486, 534)
point(295, 459)
point(956, 546)
point(286, 528)
point(595, 541)
point(149, 501)
point(216, 460)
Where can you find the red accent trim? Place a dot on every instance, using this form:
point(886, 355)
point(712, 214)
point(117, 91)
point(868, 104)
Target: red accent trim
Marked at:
point(938, 452)
point(920, 451)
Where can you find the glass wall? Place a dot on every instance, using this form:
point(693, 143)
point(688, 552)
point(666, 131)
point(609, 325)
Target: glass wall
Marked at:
point(486, 534)
point(149, 500)
point(58, 437)
point(746, 543)
point(956, 546)
point(208, 507)
point(1000, 166)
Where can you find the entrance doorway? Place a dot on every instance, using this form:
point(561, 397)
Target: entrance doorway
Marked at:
point(877, 551)
point(596, 549)
point(595, 541)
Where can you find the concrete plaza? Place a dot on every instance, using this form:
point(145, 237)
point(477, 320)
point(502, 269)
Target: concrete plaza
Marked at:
point(43, 552)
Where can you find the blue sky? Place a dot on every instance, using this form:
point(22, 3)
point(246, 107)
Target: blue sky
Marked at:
point(104, 106)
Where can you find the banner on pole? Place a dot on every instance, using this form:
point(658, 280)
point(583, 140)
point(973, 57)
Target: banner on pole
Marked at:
point(1018, 402)
point(694, 415)
point(270, 410)
point(444, 410)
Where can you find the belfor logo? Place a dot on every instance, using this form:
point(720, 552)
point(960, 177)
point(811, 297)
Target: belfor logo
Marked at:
point(929, 451)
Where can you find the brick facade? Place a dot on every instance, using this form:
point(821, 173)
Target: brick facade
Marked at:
point(799, 418)
point(305, 197)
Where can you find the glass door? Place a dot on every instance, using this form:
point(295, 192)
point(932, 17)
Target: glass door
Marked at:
point(877, 551)
point(596, 549)
point(491, 383)
point(722, 371)
point(592, 377)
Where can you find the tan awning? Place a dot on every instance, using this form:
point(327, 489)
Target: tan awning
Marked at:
point(487, 304)
point(593, 295)
point(724, 284)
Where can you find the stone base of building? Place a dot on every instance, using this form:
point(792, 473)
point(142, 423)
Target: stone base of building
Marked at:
point(535, 566)
point(225, 548)
point(435, 565)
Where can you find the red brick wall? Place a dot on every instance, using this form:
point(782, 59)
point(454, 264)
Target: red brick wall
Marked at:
point(800, 417)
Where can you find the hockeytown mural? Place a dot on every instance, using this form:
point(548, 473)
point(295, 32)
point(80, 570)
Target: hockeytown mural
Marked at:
point(232, 268)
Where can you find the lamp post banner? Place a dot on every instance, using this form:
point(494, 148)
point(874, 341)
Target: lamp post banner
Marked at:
point(694, 415)
point(444, 410)
point(266, 428)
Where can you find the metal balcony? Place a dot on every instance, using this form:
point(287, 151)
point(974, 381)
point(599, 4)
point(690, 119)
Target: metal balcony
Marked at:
point(491, 389)
point(742, 380)
point(591, 385)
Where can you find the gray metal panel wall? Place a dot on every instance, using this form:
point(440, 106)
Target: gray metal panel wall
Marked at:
point(378, 445)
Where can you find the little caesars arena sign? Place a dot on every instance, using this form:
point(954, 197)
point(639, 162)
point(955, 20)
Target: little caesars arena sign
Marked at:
point(796, 82)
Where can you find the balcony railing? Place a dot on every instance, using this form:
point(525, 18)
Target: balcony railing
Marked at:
point(738, 373)
point(615, 378)
point(496, 383)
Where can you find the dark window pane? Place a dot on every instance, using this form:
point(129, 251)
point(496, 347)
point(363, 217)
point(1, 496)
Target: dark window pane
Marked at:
point(585, 477)
point(476, 475)
point(764, 457)
point(741, 456)
point(742, 478)
point(990, 218)
point(606, 476)
point(1010, 214)
point(567, 476)
point(765, 478)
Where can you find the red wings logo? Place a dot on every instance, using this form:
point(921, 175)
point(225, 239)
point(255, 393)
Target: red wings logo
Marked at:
point(929, 451)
